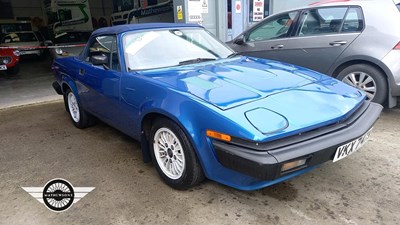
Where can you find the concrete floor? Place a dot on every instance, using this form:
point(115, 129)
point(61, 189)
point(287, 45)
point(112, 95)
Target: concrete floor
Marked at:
point(31, 85)
point(39, 143)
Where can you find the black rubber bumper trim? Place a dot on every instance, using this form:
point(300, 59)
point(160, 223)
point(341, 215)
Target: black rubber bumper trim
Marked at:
point(57, 87)
point(266, 165)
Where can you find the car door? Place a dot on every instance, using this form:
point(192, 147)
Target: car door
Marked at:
point(323, 34)
point(268, 38)
point(98, 85)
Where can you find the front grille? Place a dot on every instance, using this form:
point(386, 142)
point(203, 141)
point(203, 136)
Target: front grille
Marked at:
point(8, 58)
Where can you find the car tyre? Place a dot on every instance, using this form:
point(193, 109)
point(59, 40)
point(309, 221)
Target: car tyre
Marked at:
point(79, 117)
point(173, 155)
point(368, 79)
point(14, 70)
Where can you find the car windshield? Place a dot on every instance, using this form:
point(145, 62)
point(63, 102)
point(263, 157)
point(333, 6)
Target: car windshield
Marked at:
point(27, 37)
point(19, 37)
point(164, 48)
point(71, 37)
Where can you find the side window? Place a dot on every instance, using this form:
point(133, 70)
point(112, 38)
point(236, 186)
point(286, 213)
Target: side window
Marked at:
point(276, 27)
point(101, 45)
point(115, 65)
point(354, 21)
point(322, 21)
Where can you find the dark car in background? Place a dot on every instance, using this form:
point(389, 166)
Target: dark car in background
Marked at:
point(357, 42)
point(69, 43)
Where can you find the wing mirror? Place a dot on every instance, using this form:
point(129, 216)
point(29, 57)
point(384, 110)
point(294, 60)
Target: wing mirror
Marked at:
point(99, 60)
point(239, 40)
point(48, 43)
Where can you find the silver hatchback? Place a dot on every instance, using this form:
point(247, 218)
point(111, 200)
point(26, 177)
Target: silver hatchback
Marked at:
point(356, 41)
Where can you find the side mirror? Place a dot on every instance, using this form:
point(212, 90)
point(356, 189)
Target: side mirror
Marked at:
point(48, 43)
point(239, 40)
point(99, 60)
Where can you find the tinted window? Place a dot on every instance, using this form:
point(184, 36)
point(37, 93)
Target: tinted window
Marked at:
point(354, 21)
point(322, 21)
point(276, 27)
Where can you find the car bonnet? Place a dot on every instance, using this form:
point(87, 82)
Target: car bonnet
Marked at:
point(233, 82)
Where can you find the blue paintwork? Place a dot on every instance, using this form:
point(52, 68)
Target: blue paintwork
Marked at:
point(217, 95)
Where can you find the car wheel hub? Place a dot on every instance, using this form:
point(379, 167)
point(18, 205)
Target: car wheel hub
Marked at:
point(169, 153)
point(362, 81)
point(73, 107)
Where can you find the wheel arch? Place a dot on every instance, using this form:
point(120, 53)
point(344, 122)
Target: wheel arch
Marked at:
point(68, 83)
point(145, 127)
point(376, 64)
point(339, 68)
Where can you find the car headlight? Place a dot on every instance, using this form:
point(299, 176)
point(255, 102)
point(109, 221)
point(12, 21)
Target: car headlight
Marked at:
point(59, 51)
point(6, 61)
point(16, 52)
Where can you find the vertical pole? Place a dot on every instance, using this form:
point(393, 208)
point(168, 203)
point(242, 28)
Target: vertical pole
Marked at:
point(238, 16)
point(180, 16)
point(221, 19)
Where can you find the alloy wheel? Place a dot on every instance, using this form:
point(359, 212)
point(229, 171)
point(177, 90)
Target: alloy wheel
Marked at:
point(362, 81)
point(73, 107)
point(169, 153)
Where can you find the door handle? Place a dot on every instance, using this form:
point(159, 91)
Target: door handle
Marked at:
point(81, 72)
point(277, 46)
point(338, 43)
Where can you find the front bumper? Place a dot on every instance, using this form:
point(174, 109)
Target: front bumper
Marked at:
point(31, 52)
point(392, 70)
point(12, 61)
point(264, 160)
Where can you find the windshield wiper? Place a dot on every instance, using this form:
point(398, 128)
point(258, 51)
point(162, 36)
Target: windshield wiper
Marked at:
point(197, 60)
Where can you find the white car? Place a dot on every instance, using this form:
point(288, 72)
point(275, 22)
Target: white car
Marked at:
point(28, 42)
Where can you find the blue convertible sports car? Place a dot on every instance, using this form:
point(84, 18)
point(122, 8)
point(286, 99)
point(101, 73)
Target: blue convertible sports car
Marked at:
point(200, 110)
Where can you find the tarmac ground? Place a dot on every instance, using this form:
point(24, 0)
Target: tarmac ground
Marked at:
point(39, 143)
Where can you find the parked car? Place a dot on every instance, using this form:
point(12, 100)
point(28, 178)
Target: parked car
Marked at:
point(9, 61)
point(27, 42)
point(355, 41)
point(200, 111)
point(75, 40)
